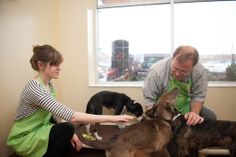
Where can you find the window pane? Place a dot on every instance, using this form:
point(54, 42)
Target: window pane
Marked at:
point(210, 27)
point(130, 40)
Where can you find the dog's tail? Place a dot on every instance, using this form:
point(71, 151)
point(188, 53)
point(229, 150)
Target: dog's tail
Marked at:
point(91, 141)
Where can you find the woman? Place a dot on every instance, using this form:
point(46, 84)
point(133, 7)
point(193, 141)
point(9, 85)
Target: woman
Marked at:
point(34, 132)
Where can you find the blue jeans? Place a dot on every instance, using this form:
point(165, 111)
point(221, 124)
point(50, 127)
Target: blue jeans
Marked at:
point(207, 113)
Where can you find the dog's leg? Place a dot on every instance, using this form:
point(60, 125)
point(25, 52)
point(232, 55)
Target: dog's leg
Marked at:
point(124, 110)
point(95, 131)
point(107, 153)
point(88, 129)
point(122, 125)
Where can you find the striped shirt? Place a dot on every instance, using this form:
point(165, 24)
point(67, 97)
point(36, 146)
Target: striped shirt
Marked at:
point(34, 97)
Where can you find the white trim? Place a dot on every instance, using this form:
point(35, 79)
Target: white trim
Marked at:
point(150, 2)
point(140, 84)
point(221, 84)
point(117, 84)
point(91, 46)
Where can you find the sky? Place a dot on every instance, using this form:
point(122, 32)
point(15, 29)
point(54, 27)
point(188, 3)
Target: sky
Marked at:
point(209, 28)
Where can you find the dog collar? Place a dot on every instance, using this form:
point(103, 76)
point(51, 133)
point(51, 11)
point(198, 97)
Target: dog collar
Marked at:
point(175, 117)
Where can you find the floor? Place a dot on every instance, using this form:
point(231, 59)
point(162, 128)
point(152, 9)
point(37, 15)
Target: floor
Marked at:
point(86, 152)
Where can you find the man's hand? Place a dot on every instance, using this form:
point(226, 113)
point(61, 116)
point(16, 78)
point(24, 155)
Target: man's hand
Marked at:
point(76, 143)
point(193, 118)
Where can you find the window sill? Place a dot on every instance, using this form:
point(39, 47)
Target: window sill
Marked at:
point(140, 84)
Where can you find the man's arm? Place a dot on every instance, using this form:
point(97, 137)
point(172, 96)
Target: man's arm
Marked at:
point(193, 116)
point(155, 82)
point(196, 107)
point(199, 91)
point(151, 89)
point(199, 86)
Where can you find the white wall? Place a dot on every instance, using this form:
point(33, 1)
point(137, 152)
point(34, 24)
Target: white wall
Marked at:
point(62, 24)
point(23, 23)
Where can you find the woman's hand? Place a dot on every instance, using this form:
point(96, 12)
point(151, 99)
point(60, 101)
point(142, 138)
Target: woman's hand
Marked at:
point(76, 143)
point(122, 118)
point(193, 118)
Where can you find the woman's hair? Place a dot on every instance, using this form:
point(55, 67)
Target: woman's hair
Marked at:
point(185, 53)
point(45, 54)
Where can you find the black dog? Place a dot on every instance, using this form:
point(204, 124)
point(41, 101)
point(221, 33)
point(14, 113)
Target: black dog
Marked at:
point(189, 139)
point(117, 102)
point(210, 133)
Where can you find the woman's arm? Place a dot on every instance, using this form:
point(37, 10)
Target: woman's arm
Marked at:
point(79, 117)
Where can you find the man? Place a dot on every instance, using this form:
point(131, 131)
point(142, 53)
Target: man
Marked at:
point(184, 72)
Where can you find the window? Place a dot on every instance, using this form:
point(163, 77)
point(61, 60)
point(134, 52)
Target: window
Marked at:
point(133, 36)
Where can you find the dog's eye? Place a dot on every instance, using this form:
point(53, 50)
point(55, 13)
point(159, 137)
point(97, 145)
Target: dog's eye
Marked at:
point(171, 108)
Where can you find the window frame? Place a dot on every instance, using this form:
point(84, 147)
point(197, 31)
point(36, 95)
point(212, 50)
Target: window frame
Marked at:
point(92, 33)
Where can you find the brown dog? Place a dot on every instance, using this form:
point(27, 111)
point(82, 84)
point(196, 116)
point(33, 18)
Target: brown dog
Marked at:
point(146, 136)
point(189, 139)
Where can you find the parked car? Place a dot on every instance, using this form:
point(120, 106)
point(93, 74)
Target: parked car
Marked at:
point(112, 74)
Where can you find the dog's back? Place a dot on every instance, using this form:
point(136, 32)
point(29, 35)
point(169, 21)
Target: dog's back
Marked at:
point(111, 100)
point(147, 136)
point(114, 101)
point(210, 133)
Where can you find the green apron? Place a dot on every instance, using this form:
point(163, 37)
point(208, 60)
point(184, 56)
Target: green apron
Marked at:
point(183, 98)
point(29, 136)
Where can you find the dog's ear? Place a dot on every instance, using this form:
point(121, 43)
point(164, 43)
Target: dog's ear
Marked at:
point(130, 103)
point(168, 102)
point(175, 92)
point(155, 105)
point(153, 112)
point(150, 113)
point(137, 104)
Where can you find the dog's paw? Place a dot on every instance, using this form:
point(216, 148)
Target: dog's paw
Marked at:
point(99, 138)
point(121, 125)
point(88, 129)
